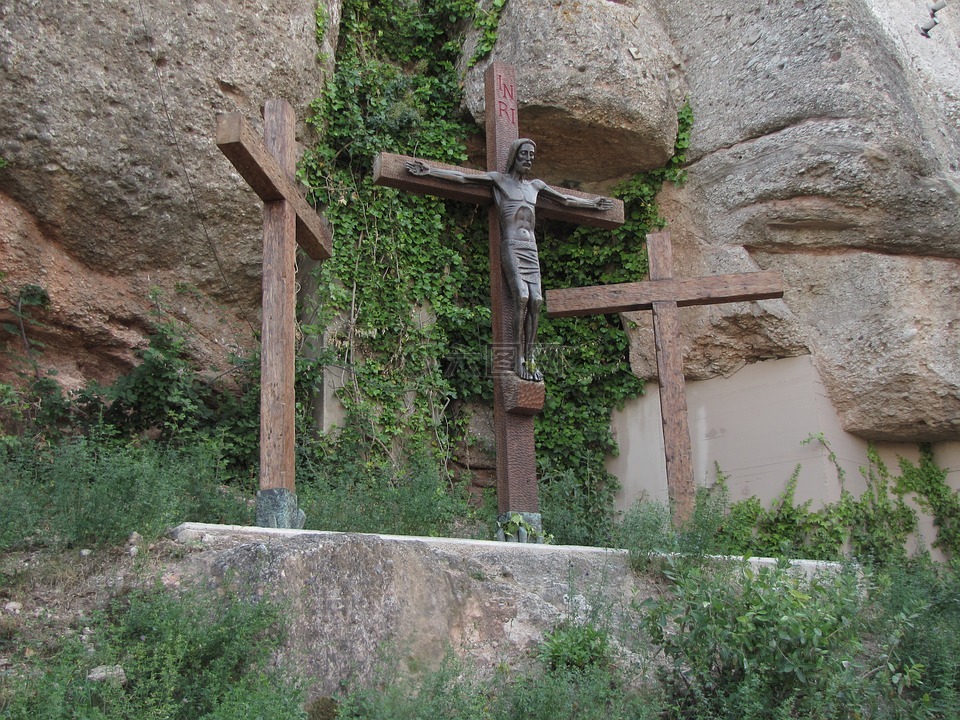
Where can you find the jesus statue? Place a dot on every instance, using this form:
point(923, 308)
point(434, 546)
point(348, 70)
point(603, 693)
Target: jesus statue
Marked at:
point(516, 199)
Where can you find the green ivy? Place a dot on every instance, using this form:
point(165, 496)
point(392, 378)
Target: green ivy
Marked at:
point(935, 496)
point(385, 297)
point(487, 22)
point(873, 527)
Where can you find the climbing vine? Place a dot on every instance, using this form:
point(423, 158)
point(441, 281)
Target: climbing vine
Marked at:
point(487, 22)
point(404, 303)
point(928, 482)
point(392, 285)
point(874, 526)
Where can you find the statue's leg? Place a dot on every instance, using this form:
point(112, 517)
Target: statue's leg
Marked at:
point(521, 314)
point(520, 296)
point(530, 330)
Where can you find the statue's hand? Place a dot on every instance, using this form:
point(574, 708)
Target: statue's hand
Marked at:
point(603, 203)
point(417, 167)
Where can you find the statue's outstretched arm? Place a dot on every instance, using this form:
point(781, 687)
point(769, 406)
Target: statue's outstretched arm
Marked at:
point(594, 203)
point(421, 169)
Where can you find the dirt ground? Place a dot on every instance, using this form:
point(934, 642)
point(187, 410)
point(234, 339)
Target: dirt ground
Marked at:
point(47, 595)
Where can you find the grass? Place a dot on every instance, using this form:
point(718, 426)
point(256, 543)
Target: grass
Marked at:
point(89, 492)
point(196, 655)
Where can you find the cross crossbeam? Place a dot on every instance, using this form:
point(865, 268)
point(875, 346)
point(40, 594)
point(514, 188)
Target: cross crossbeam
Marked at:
point(664, 295)
point(389, 170)
point(268, 166)
point(257, 165)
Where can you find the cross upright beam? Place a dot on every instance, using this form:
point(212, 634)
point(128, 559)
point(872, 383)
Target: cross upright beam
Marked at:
point(664, 295)
point(516, 401)
point(269, 167)
point(513, 431)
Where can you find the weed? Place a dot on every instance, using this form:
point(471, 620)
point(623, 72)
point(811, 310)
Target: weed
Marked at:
point(96, 491)
point(195, 656)
point(575, 646)
point(340, 490)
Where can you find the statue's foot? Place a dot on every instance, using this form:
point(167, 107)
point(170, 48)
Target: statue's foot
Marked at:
point(525, 374)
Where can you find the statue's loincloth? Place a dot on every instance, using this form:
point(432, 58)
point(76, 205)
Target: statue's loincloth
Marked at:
point(523, 257)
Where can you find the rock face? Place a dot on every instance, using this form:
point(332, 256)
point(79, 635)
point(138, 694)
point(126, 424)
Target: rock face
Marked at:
point(826, 145)
point(109, 116)
point(598, 86)
point(357, 600)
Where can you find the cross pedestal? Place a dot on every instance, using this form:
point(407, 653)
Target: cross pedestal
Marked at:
point(269, 167)
point(664, 295)
point(515, 401)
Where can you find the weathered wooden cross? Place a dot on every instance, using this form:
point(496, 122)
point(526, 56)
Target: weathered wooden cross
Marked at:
point(515, 401)
point(664, 294)
point(269, 167)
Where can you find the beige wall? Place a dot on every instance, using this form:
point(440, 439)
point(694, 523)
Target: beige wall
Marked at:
point(753, 425)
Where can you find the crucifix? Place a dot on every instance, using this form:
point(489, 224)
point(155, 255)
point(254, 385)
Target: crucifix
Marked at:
point(269, 167)
point(518, 390)
point(665, 294)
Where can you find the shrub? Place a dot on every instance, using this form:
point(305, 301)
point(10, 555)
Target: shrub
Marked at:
point(916, 620)
point(96, 491)
point(736, 638)
point(199, 656)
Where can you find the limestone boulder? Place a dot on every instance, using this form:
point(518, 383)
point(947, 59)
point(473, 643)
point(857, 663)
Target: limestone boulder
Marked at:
point(355, 601)
point(108, 130)
point(598, 86)
point(826, 145)
point(883, 330)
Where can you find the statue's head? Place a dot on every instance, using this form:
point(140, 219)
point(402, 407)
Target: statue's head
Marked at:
point(515, 148)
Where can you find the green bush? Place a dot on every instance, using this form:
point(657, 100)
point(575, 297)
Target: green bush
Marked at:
point(748, 643)
point(199, 656)
point(96, 491)
point(575, 646)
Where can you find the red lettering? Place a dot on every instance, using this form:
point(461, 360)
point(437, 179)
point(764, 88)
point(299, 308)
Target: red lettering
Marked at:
point(504, 110)
point(507, 91)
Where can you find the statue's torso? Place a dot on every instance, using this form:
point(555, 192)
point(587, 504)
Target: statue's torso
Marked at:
point(516, 201)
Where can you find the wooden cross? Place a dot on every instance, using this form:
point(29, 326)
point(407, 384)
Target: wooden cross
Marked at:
point(664, 294)
point(515, 401)
point(269, 167)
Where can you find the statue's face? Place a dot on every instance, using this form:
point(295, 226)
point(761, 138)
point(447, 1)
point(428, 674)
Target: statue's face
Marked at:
point(524, 160)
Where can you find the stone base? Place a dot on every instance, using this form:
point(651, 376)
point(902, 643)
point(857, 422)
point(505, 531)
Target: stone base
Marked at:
point(277, 508)
point(520, 527)
point(522, 397)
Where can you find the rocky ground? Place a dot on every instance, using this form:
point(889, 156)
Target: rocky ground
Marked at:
point(47, 595)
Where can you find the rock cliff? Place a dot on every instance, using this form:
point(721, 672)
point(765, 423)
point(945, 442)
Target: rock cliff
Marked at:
point(115, 198)
point(826, 145)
